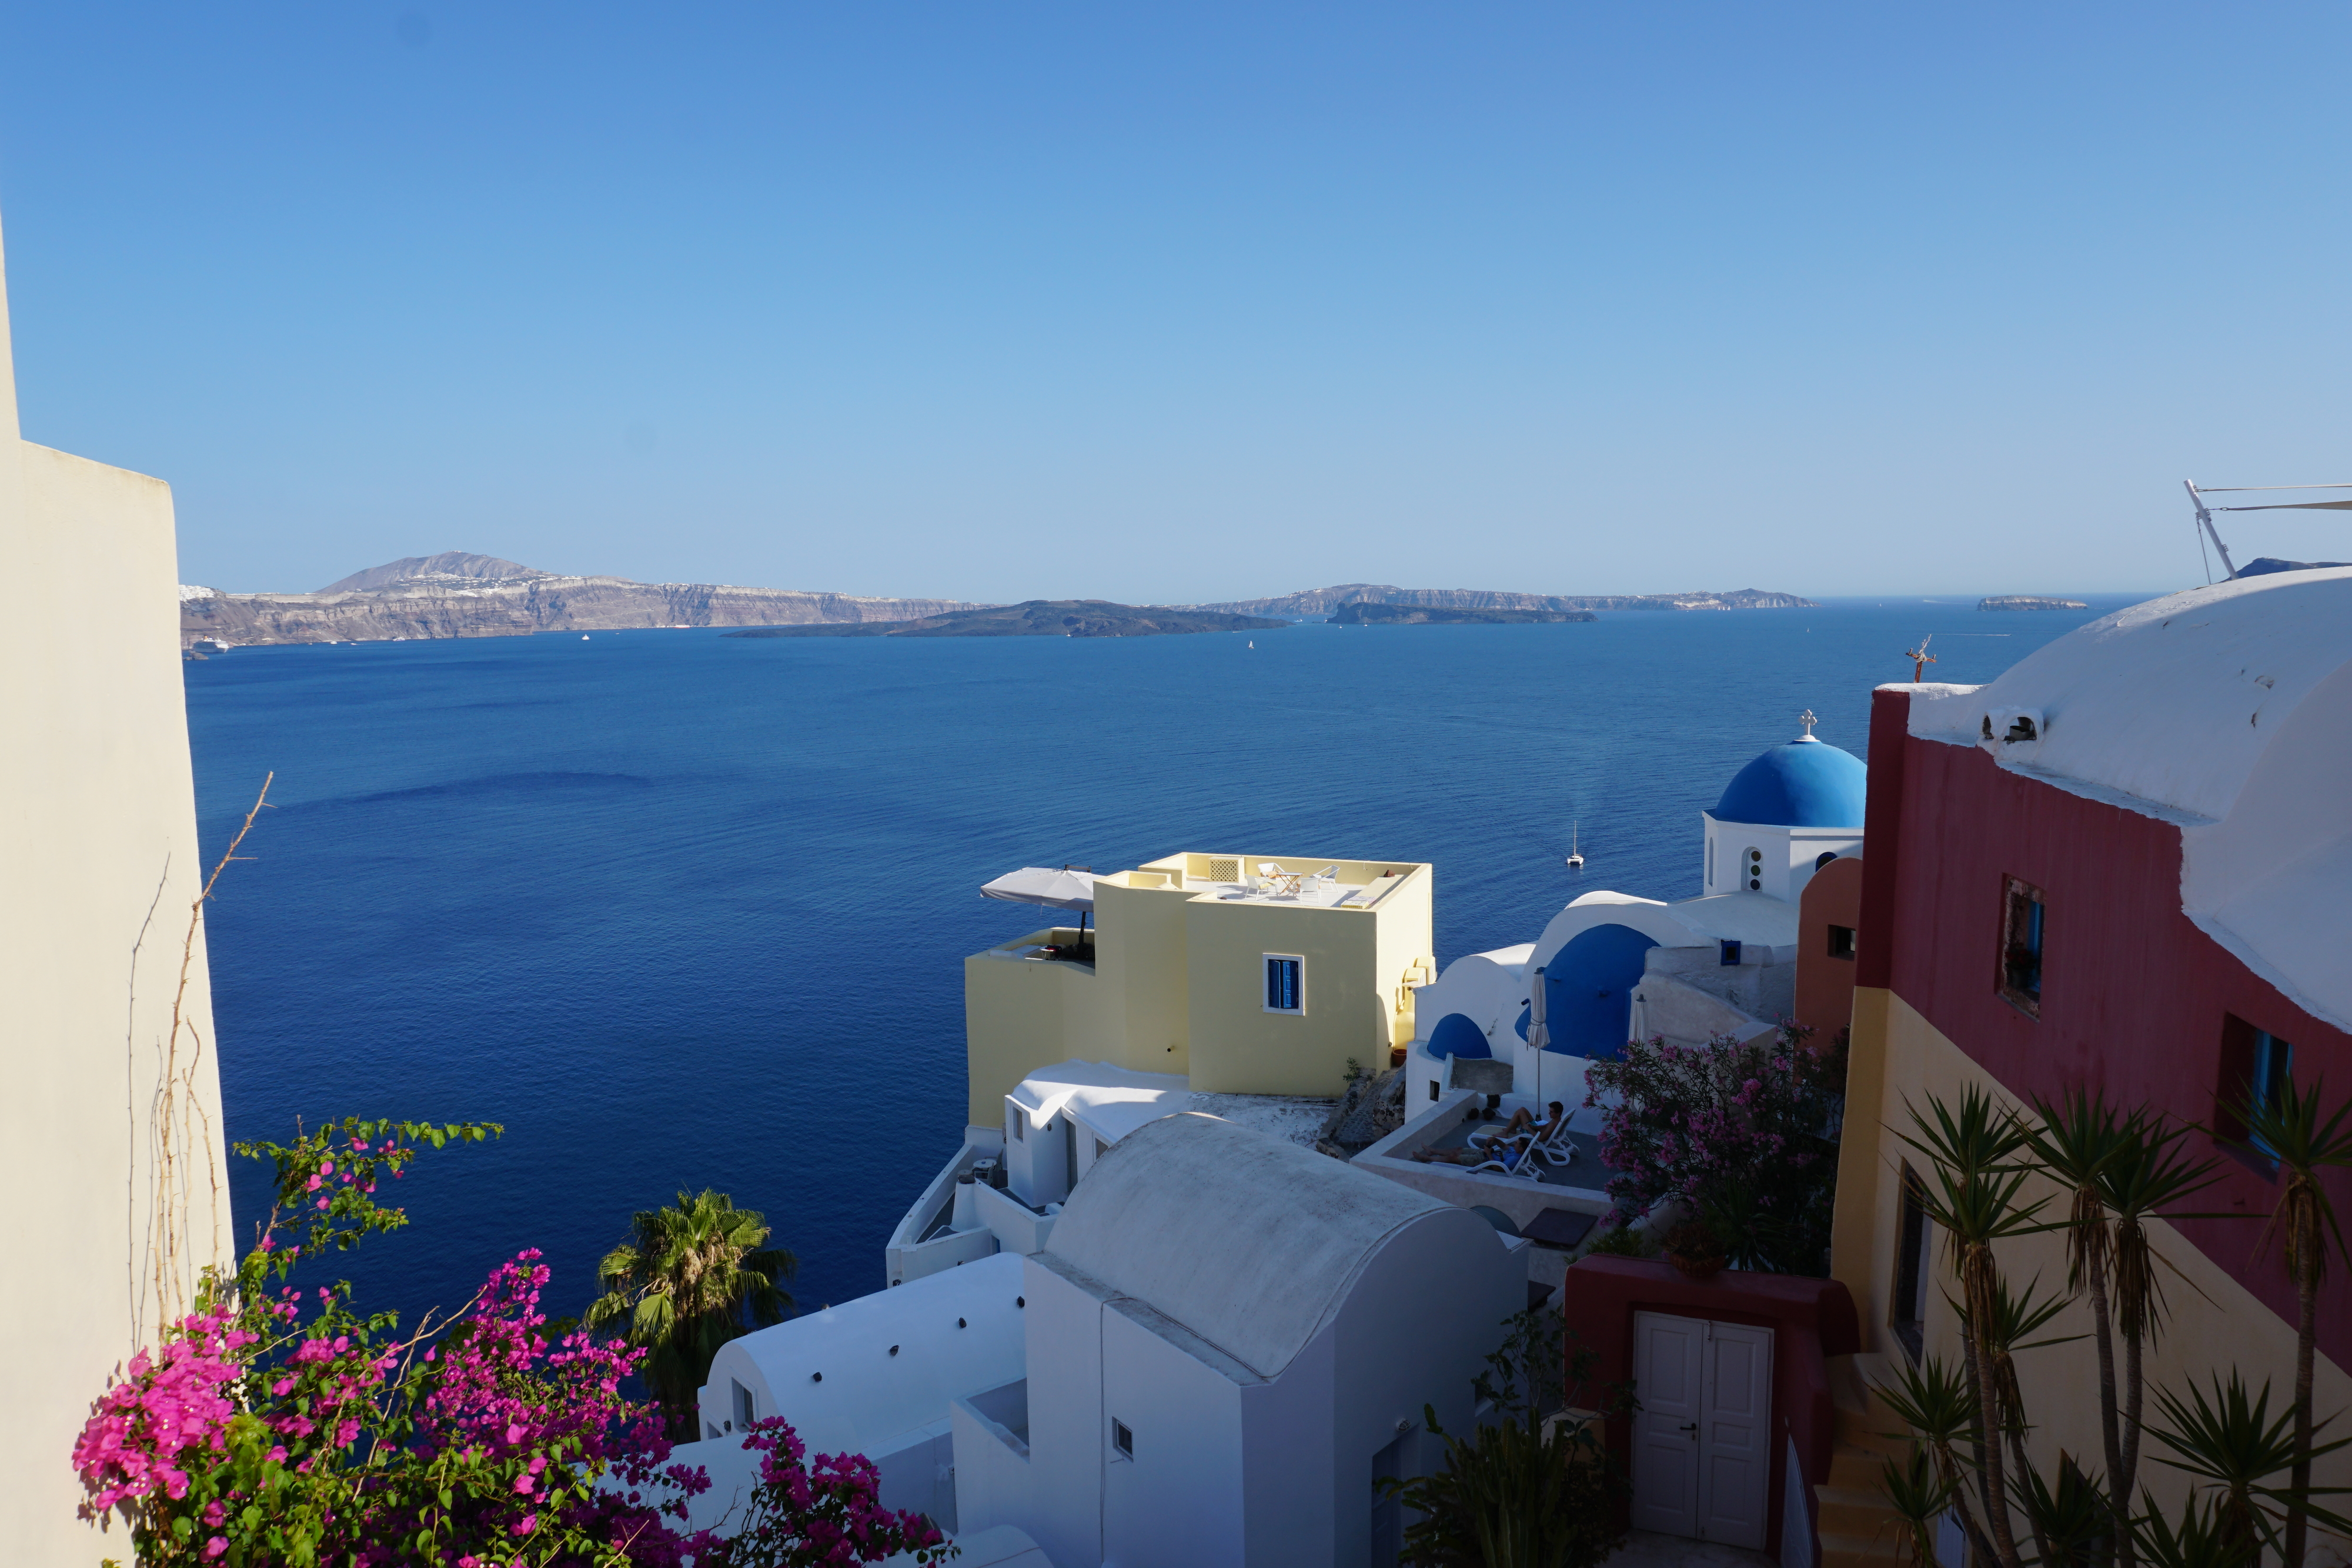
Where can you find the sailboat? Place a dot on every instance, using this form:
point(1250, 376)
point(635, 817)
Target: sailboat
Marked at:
point(1575, 856)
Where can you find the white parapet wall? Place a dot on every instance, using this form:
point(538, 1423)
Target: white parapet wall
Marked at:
point(110, 1137)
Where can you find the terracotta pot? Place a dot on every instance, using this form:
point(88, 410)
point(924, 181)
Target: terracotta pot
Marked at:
point(1696, 1266)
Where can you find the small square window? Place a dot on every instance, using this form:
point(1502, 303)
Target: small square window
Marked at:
point(745, 1411)
point(1286, 983)
point(2257, 1068)
point(1840, 942)
point(1122, 1439)
point(1729, 953)
point(2021, 945)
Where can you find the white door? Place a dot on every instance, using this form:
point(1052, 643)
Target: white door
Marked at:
point(1702, 1448)
point(1734, 1436)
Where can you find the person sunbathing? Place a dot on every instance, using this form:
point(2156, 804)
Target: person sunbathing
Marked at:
point(1523, 1121)
point(1469, 1154)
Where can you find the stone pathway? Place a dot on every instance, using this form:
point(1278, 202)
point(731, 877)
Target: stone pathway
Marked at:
point(1646, 1548)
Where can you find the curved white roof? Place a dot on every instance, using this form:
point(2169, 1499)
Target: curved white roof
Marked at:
point(833, 1374)
point(1109, 1101)
point(2228, 711)
point(1250, 1243)
point(2168, 703)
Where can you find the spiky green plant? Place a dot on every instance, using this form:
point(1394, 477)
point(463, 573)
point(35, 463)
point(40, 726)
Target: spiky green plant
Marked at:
point(692, 1277)
point(1973, 1194)
point(2075, 1141)
point(2289, 1130)
point(2233, 1445)
point(1920, 1497)
point(2073, 1526)
point(1521, 1491)
point(2148, 1179)
point(2199, 1540)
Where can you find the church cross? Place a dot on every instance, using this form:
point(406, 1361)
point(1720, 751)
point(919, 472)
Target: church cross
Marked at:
point(1808, 720)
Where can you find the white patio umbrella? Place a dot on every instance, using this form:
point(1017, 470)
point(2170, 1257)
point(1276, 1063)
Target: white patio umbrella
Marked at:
point(1072, 887)
point(1538, 1029)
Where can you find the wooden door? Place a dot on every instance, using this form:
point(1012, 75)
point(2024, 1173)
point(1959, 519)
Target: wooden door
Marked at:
point(1669, 1370)
point(1734, 1436)
point(1702, 1437)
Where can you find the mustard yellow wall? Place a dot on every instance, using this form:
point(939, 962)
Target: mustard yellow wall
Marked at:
point(2214, 1321)
point(1238, 1047)
point(1405, 939)
point(1139, 953)
point(1021, 1014)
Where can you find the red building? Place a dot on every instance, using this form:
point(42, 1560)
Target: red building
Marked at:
point(2124, 866)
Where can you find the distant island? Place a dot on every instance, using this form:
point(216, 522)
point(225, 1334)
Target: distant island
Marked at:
point(1358, 612)
point(460, 594)
point(1327, 600)
point(1040, 618)
point(455, 594)
point(2029, 602)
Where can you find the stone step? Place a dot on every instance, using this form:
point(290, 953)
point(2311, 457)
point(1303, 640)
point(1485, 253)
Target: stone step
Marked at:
point(1840, 1550)
point(1855, 1469)
point(1863, 1418)
point(1853, 1509)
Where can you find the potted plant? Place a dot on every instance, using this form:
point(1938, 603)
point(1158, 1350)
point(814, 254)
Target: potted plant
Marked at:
point(1693, 1251)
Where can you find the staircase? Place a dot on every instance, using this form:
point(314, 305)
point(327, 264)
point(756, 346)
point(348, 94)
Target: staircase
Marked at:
point(1856, 1527)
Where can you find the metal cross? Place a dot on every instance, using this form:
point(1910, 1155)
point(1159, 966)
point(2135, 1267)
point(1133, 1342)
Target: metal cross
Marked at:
point(1808, 720)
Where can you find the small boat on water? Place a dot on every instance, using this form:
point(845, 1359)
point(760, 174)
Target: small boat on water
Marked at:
point(1575, 856)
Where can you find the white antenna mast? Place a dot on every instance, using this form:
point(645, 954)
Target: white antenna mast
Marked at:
point(2205, 520)
point(2205, 513)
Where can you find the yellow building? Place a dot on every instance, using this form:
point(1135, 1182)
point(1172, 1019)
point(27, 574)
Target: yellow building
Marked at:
point(1245, 973)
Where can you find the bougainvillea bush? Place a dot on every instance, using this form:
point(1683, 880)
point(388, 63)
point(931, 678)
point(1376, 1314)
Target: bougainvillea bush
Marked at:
point(276, 1424)
point(1742, 1134)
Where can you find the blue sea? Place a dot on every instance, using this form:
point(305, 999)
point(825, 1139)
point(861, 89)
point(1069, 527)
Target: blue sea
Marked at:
point(682, 909)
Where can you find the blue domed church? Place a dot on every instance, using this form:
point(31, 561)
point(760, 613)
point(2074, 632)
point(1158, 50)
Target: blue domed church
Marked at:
point(1611, 967)
point(1784, 816)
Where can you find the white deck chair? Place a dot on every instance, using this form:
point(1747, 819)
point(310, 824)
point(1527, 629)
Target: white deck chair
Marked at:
point(1273, 879)
point(1527, 1166)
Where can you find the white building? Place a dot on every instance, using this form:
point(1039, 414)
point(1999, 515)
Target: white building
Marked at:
point(1611, 968)
point(1224, 1341)
point(110, 1146)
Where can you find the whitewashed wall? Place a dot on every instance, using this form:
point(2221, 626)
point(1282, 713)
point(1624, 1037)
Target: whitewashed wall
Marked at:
point(117, 1191)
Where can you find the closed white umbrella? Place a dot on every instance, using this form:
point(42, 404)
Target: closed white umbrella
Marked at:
point(1072, 887)
point(1538, 1031)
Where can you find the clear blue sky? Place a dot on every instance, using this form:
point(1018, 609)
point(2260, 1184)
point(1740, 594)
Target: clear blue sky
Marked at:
point(997, 300)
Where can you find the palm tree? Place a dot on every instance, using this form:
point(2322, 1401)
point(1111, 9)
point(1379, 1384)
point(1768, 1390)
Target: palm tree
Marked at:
point(2287, 1127)
point(689, 1278)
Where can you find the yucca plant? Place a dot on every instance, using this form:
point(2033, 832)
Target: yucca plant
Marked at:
point(2006, 1331)
point(690, 1278)
point(1973, 1194)
point(1920, 1497)
point(2233, 1445)
point(2073, 1526)
point(2198, 1541)
point(2075, 1140)
point(2148, 1179)
point(1937, 1402)
point(2289, 1129)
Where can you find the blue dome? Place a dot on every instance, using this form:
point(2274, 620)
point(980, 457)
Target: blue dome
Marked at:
point(1801, 784)
point(1457, 1035)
